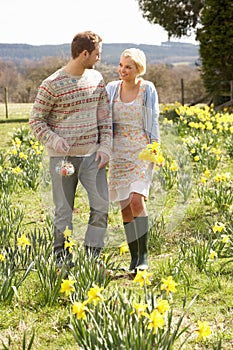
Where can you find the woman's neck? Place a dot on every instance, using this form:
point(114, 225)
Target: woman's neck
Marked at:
point(129, 91)
point(130, 85)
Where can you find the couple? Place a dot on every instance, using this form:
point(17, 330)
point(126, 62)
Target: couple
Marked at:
point(85, 125)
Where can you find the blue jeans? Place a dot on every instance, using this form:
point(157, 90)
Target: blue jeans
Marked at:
point(64, 188)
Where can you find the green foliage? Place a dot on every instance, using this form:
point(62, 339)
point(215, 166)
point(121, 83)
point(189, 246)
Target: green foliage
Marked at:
point(209, 19)
point(22, 164)
point(215, 38)
point(156, 236)
point(11, 219)
point(11, 278)
point(177, 18)
point(116, 323)
point(197, 253)
point(24, 342)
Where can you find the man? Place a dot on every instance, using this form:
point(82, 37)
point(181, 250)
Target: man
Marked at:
point(71, 117)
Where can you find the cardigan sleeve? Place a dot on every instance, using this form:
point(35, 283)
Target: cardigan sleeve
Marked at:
point(151, 122)
point(111, 88)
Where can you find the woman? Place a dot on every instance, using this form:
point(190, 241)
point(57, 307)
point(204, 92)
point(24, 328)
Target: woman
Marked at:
point(135, 109)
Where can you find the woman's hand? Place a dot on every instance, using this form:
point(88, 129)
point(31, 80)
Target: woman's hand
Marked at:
point(104, 159)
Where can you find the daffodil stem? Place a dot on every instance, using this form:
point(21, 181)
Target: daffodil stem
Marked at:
point(98, 328)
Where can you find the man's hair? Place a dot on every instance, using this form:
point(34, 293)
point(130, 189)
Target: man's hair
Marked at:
point(84, 41)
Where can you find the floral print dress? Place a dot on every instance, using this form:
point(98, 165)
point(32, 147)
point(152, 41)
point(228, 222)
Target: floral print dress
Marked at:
point(127, 173)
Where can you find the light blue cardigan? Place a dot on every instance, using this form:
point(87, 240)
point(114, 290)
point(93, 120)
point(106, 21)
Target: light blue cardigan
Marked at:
point(151, 115)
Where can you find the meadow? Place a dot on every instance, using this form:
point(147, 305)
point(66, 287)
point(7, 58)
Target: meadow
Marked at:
point(184, 301)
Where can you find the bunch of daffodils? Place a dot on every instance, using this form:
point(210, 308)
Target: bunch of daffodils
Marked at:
point(153, 154)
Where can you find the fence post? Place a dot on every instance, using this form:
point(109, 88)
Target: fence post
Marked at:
point(182, 91)
point(6, 101)
point(231, 97)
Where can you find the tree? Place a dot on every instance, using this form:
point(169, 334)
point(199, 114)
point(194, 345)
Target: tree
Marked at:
point(213, 22)
point(167, 80)
point(8, 79)
point(33, 73)
point(178, 18)
point(216, 48)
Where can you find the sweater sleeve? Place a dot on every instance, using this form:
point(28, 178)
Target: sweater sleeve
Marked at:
point(104, 121)
point(38, 120)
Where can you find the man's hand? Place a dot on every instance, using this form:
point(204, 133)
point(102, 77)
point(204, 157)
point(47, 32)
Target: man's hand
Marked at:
point(104, 159)
point(62, 147)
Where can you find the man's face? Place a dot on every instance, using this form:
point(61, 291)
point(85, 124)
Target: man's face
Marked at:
point(94, 57)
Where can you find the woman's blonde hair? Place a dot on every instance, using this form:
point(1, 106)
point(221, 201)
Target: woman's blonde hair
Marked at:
point(138, 57)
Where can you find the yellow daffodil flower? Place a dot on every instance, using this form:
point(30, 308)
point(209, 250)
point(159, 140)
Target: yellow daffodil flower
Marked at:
point(67, 286)
point(225, 239)
point(16, 170)
point(79, 309)
point(69, 244)
point(124, 248)
point(203, 180)
point(169, 285)
point(174, 166)
point(207, 173)
point(139, 309)
point(14, 152)
point(152, 154)
point(156, 320)
point(160, 160)
point(155, 147)
point(218, 227)
point(142, 277)
point(22, 155)
point(213, 255)
point(205, 147)
point(94, 295)
point(203, 331)
point(67, 233)
point(2, 257)
point(105, 257)
point(23, 241)
point(162, 306)
point(209, 126)
point(17, 142)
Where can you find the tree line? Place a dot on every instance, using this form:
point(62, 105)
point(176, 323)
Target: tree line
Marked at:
point(23, 80)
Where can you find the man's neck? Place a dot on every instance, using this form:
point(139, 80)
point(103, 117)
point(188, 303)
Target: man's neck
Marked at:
point(74, 68)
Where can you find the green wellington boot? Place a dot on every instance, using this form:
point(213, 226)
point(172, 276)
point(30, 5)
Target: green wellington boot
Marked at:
point(141, 227)
point(132, 243)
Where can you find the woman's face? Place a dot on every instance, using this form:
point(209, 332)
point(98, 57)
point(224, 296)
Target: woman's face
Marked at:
point(127, 69)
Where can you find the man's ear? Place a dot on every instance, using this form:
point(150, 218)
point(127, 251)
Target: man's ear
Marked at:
point(85, 53)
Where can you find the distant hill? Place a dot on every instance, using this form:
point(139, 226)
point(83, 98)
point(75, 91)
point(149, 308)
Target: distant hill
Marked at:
point(168, 52)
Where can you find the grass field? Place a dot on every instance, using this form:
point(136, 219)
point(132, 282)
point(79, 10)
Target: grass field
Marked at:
point(16, 111)
point(187, 232)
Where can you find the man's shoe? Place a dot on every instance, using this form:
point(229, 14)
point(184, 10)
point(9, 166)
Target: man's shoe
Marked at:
point(92, 252)
point(64, 259)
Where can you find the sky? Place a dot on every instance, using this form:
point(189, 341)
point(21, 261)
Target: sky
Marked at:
point(55, 22)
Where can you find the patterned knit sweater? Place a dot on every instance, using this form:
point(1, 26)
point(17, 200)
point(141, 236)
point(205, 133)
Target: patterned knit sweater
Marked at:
point(75, 108)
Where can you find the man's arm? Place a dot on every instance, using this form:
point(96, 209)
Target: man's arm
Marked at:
point(38, 120)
